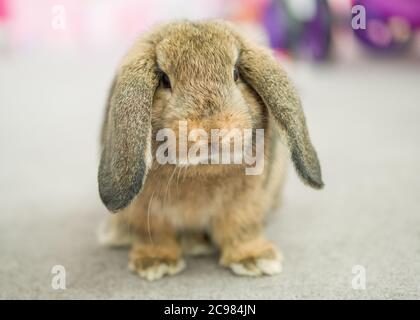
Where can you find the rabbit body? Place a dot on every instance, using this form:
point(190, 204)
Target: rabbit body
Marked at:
point(210, 76)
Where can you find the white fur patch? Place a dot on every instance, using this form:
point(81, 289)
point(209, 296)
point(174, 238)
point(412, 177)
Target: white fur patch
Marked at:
point(269, 267)
point(259, 268)
point(160, 270)
point(241, 270)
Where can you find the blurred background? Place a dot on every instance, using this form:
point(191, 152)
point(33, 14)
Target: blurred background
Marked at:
point(312, 29)
point(356, 65)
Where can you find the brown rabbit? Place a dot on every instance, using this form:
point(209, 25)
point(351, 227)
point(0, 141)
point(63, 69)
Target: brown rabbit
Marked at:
point(210, 76)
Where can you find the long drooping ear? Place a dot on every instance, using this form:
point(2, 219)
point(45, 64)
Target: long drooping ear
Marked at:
point(126, 155)
point(259, 69)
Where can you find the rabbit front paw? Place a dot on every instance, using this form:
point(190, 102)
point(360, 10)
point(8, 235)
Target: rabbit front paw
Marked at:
point(256, 267)
point(253, 258)
point(154, 269)
point(153, 263)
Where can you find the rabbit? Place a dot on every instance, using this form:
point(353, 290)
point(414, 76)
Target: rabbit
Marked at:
point(209, 74)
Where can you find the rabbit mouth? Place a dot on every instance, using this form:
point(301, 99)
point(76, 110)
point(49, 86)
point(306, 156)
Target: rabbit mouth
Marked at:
point(211, 159)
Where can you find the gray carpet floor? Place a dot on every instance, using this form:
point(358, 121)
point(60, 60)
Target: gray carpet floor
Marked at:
point(364, 121)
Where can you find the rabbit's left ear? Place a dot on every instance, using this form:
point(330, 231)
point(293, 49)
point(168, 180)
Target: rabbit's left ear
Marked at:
point(260, 70)
point(126, 156)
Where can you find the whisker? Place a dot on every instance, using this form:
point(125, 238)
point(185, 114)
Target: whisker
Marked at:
point(149, 229)
point(169, 182)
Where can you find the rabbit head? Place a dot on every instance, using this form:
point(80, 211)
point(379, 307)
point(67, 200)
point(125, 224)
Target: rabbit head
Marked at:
point(208, 75)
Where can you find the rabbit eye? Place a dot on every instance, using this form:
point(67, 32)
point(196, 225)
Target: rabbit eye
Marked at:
point(164, 80)
point(235, 74)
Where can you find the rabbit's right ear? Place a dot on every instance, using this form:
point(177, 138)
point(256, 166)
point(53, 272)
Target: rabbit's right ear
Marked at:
point(126, 155)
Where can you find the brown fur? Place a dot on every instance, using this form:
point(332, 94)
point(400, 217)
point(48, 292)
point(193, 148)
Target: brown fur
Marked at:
point(161, 201)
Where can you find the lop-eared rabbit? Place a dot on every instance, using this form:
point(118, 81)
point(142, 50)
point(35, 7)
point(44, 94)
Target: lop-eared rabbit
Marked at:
point(209, 76)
